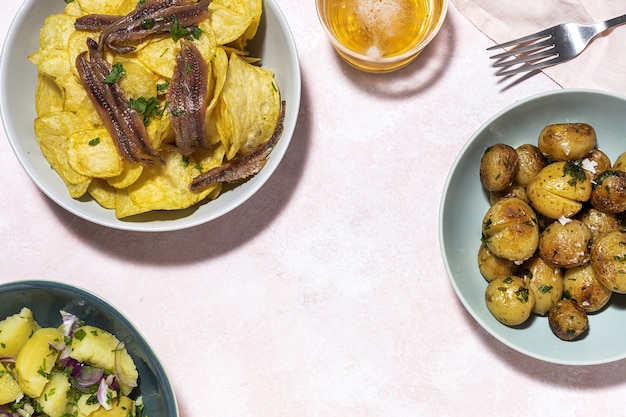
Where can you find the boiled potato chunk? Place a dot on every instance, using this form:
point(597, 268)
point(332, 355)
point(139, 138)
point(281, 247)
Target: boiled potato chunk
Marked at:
point(15, 331)
point(545, 281)
point(582, 285)
point(9, 388)
point(100, 348)
point(560, 189)
point(53, 399)
point(509, 300)
point(565, 244)
point(567, 141)
point(85, 405)
point(498, 167)
point(510, 230)
point(608, 260)
point(36, 359)
point(568, 320)
point(122, 407)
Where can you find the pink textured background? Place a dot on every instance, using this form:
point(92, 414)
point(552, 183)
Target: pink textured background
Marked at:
point(325, 294)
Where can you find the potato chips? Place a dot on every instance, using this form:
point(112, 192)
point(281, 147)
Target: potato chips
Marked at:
point(243, 107)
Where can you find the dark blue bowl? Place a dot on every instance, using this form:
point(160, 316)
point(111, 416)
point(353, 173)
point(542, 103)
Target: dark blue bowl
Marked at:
point(46, 298)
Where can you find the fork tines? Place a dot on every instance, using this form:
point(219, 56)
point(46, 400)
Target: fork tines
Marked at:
point(527, 53)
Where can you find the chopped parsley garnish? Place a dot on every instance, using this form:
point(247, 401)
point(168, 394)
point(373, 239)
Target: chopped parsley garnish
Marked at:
point(149, 108)
point(544, 288)
point(147, 23)
point(195, 33)
point(71, 1)
point(94, 141)
point(140, 3)
point(575, 170)
point(79, 334)
point(162, 88)
point(177, 30)
point(522, 294)
point(117, 72)
point(177, 112)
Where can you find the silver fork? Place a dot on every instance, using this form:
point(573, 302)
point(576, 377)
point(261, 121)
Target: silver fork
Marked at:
point(548, 47)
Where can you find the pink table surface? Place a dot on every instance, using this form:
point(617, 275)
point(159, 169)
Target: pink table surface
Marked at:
point(325, 294)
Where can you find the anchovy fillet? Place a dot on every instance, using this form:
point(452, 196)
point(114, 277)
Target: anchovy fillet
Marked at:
point(244, 166)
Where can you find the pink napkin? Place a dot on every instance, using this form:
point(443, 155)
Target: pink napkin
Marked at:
point(602, 65)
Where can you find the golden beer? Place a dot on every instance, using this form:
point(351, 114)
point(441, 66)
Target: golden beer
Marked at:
point(380, 35)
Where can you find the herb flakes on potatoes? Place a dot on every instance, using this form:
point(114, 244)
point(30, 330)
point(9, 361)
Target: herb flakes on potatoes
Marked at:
point(567, 190)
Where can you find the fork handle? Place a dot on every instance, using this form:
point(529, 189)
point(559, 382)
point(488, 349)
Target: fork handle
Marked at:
point(616, 21)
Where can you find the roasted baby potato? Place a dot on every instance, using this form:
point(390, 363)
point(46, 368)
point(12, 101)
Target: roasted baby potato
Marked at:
point(498, 167)
point(620, 162)
point(510, 230)
point(515, 190)
point(530, 162)
point(608, 260)
point(492, 267)
point(567, 141)
point(599, 222)
point(568, 320)
point(566, 244)
point(509, 300)
point(545, 281)
point(609, 192)
point(560, 189)
point(598, 161)
point(581, 285)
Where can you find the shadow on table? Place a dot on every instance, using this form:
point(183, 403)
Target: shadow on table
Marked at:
point(588, 377)
point(213, 238)
point(417, 77)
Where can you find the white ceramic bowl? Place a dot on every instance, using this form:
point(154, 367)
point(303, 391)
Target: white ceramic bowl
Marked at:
point(465, 202)
point(274, 44)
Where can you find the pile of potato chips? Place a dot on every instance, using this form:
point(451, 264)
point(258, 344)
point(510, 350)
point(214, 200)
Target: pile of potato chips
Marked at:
point(242, 111)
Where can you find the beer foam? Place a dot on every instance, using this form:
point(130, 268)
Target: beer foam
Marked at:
point(381, 13)
point(384, 19)
point(374, 52)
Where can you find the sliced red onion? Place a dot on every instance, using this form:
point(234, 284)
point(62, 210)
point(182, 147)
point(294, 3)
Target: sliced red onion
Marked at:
point(69, 323)
point(103, 390)
point(58, 346)
point(5, 411)
point(65, 354)
point(7, 359)
point(88, 376)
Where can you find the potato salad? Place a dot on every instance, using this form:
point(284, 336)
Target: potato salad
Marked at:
point(73, 370)
point(553, 238)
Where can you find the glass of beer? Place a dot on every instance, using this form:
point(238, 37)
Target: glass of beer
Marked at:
point(381, 35)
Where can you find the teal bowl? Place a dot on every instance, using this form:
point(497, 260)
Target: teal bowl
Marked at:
point(465, 202)
point(45, 299)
